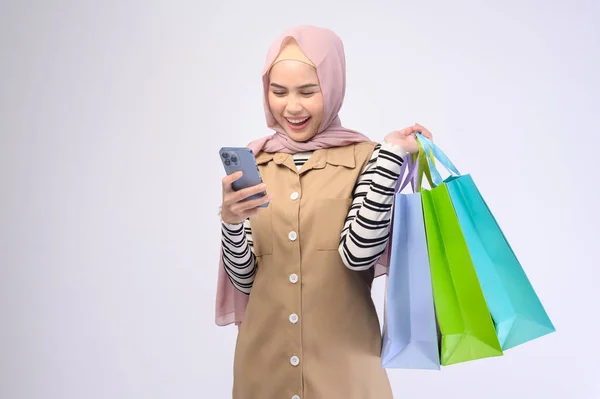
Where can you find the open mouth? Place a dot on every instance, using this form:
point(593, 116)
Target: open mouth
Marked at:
point(298, 123)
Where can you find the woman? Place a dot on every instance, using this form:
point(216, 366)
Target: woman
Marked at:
point(299, 272)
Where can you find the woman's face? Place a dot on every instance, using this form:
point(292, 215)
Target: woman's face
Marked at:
point(295, 98)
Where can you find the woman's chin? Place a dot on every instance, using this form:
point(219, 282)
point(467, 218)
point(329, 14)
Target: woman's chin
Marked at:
point(301, 136)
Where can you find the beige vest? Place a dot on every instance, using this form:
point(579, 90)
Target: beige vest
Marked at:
point(311, 328)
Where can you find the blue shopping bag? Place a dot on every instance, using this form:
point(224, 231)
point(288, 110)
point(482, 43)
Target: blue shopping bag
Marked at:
point(517, 311)
point(410, 338)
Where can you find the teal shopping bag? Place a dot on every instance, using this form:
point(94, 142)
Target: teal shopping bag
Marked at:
point(516, 309)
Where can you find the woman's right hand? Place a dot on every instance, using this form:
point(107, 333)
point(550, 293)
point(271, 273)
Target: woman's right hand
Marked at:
point(234, 209)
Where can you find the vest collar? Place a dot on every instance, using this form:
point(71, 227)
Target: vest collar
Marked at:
point(338, 156)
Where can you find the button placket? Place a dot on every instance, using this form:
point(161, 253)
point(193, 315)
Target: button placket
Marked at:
point(294, 275)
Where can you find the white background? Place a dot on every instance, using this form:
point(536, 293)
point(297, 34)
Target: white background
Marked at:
point(111, 117)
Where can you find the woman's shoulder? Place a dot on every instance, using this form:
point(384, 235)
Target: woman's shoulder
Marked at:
point(364, 152)
point(366, 148)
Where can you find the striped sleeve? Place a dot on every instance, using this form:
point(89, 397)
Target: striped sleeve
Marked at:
point(238, 255)
point(365, 234)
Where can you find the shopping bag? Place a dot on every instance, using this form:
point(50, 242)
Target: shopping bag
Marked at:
point(516, 309)
point(466, 327)
point(410, 338)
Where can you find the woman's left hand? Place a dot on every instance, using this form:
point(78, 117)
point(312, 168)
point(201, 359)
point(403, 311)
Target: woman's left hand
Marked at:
point(406, 139)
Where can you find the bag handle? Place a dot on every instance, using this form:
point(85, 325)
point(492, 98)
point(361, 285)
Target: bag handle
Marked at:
point(423, 167)
point(417, 166)
point(411, 177)
point(432, 152)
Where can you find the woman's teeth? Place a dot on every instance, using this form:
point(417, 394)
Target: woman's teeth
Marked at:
point(297, 121)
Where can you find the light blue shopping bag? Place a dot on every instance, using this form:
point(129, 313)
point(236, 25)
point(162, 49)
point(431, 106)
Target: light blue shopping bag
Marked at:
point(410, 338)
point(518, 313)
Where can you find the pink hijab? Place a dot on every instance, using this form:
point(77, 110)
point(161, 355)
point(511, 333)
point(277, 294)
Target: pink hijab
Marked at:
point(326, 51)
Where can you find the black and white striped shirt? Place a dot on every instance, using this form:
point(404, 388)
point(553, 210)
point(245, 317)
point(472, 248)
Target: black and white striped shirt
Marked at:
point(365, 233)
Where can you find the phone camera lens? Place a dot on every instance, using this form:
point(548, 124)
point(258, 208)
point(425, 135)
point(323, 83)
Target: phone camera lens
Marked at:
point(225, 155)
point(227, 162)
point(234, 159)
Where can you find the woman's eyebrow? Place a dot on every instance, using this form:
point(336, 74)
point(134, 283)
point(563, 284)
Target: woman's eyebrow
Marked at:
point(305, 86)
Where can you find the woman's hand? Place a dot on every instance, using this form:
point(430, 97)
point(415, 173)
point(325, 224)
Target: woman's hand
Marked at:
point(234, 209)
point(406, 139)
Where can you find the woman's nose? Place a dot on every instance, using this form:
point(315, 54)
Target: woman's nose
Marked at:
point(293, 106)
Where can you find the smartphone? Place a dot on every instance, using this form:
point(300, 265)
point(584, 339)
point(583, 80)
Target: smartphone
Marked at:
point(237, 159)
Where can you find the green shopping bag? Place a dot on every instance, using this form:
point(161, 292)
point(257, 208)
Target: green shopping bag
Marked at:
point(466, 327)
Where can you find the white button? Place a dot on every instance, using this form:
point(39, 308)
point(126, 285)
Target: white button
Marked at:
point(294, 196)
point(295, 360)
point(295, 397)
point(292, 236)
point(293, 318)
point(293, 278)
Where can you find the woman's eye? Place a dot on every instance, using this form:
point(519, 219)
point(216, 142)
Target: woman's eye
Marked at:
point(279, 93)
point(307, 94)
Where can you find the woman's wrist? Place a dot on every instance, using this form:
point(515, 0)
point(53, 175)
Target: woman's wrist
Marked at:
point(395, 148)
